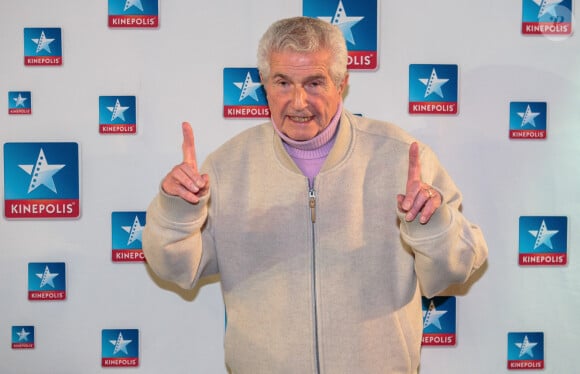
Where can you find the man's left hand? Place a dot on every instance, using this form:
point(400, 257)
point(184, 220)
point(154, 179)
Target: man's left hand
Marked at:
point(420, 198)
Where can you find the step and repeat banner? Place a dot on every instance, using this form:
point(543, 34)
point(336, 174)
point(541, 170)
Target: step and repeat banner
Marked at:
point(94, 94)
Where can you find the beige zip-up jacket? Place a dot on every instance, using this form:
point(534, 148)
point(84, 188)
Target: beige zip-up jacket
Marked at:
point(324, 280)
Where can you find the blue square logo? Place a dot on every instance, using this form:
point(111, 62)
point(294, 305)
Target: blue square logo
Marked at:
point(357, 19)
point(42, 46)
point(41, 180)
point(545, 17)
point(525, 350)
point(22, 337)
point(133, 13)
point(433, 89)
point(46, 281)
point(117, 115)
point(528, 120)
point(543, 240)
point(244, 94)
point(126, 228)
point(19, 102)
point(439, 315)
point(120, 348)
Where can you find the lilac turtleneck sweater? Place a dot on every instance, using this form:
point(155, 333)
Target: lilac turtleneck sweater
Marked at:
point(309, 155)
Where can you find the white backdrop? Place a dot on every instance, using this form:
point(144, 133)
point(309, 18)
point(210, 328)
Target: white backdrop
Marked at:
point(175, 72)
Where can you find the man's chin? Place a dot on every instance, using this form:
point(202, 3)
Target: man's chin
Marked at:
point(301, 136)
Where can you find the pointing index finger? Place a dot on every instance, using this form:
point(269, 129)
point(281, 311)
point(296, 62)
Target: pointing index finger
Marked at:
point(414, 173)
point(188, 146)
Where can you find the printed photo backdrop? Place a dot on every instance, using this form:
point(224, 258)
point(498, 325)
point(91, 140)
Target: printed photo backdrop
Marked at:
point(512, 147)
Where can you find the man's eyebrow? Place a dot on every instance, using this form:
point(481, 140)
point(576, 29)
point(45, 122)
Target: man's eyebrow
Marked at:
point(280, 75)
point(306, 79)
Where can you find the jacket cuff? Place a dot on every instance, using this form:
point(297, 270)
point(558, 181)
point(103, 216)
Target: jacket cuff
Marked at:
point(437, 224)
point(175, 209)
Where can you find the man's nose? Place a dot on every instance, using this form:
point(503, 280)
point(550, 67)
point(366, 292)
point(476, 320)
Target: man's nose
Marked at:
point(299, 98)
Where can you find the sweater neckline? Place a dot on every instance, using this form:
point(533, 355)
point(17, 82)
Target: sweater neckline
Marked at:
point(315, 148)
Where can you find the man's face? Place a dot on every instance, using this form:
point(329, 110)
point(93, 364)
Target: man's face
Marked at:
point(301, 94)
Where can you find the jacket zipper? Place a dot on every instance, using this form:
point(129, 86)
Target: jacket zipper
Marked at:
point(312, 205)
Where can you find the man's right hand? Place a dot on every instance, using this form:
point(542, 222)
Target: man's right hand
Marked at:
point(184, 179)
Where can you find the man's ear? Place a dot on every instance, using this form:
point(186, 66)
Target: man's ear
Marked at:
point(343, 85)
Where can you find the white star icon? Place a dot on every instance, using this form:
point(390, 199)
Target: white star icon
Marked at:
point(41, 173)
point(19, 100)
point(135, 231)
point(344, 22)
point(433, 84)
point(47, 277)
point(136, 3)
point(120, 344)
point(248, 87)
point(526, 347)
point(547, 6)
point(23, 335)
point(431, 316)
point(543, 235)
point(528, 117)
point(117, 111)
point(43, 43)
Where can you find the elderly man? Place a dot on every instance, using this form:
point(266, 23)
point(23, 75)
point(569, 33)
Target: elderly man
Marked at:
point(325, 228)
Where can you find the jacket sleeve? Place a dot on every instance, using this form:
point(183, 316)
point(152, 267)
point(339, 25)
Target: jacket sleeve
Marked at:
point(172, 239)
point(449, 248)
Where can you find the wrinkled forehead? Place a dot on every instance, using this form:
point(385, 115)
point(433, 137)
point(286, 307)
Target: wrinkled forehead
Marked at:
point(314, 63)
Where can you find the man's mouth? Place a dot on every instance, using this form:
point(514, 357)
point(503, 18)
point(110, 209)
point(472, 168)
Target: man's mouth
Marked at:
point(300, 119)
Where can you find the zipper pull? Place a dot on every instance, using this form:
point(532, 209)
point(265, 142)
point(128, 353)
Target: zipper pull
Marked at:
point(312, 203)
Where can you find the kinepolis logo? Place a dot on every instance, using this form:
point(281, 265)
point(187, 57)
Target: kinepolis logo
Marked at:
point(547, 17)
point(126, 229)
point(46, 281)
point(133, 13)
point(358, 22)
point(439, 320)
point(244, 95)
point(19, 102)
point(543, 240)
point(525, 350)
point(41, 180)
point(433, 89)
point(22, 337)
point(42, 46)
point(528, 120)
point(117, 115)
point(120, 348)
